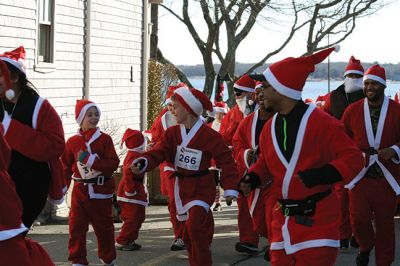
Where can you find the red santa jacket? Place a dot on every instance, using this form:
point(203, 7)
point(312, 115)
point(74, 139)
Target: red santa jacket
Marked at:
point(191, 153)
point(132, 189)
point(42, 141)
point(103, 161)
point(10, 204)
point(321, 139)
point(357, 121)
point(230, 123)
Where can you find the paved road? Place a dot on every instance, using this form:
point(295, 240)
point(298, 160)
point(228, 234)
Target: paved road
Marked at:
point(156, 238)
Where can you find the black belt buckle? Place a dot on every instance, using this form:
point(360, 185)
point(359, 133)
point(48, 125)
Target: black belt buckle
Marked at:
point(100, 180)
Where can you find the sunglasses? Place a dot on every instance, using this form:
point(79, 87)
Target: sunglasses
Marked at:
point(238, 93)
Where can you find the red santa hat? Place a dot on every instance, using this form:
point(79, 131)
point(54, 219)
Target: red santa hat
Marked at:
point(16, 58)
point(354, 66)
point(220, 107)
point(193, 100)
point(133, 139)
point(81, 108)
point(9, 93)
point(259, 84)
point(245, 83)
point(171, 90)
point(289, 75)
point(377, 73)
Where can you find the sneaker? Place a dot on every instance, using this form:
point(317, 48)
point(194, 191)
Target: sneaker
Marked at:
point(344, 243)
point(353, 242)
point(130, 247)
point(362, 258)
point(178, 244)
point(246, 248)
point(217, 207)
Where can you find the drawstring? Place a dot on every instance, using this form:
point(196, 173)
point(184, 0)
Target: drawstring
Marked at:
point(284, 133)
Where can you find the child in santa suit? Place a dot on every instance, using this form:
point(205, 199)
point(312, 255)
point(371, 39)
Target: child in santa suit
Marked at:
point(190, 146)
point(132, 193)
point(90, 159)
point(14, 248)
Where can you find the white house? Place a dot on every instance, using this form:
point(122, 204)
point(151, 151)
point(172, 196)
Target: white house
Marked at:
point(92, 49)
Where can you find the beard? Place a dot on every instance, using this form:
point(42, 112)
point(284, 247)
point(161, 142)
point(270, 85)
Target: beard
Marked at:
point(375, 97)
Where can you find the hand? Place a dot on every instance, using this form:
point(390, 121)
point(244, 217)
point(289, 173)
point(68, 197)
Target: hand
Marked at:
point(250, 156)
point(229, 200)
point(135, 168)
point(82, 155)
point(386, 153)
point(245, 186)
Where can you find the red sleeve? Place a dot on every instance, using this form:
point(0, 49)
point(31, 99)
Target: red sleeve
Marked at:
point(162, 151)
point(109, 161)
point(43, 144)
point(67, 159)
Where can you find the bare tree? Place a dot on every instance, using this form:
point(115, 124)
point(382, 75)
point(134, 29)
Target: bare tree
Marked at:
point(335, 18)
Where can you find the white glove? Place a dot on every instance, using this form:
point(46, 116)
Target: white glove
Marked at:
point(6, 121)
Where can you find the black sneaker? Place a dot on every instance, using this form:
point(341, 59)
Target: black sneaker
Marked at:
point(362, 258)
point(178, 244)
point(246, 248)
point(130, 247)
point(344, 243)
point(217, 207)
point(353, 242)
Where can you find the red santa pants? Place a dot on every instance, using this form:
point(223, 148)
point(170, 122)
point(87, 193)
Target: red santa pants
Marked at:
point(98, 212)
point(260, 213)
point(245, 223)
point(198, 234)
point(342, 194)
point(374, 198)
point(23, 251)
point(177, 226)
point(133, 216)
point(322, 256)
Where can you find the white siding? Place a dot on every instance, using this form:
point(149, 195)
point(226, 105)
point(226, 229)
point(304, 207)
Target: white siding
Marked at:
point(116, 46)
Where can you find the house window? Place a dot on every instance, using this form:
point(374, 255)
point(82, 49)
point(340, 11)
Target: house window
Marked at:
point(46, 31)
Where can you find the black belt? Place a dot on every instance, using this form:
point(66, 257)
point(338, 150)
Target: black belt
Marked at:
point(304, 207)
point(99, 180)
point(196, 174)
point(370, 151)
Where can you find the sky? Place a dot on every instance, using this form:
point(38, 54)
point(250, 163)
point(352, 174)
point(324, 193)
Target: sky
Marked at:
point(375, 39)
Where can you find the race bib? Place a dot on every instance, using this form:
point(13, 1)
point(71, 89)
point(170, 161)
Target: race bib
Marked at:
point(187, 158)
point(86, 172)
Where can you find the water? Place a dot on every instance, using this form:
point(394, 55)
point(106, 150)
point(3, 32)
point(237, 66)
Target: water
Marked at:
point(312, 89)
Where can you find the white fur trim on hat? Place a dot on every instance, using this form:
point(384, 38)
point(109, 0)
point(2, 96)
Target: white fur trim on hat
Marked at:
point(10, 94)
point(376, 78)
point(243, 88)
point(20, 64)
point(353, 71)
point(337, 48)
point(220, 110)
point(190, 100)
point(282, 89)
point(83, 111)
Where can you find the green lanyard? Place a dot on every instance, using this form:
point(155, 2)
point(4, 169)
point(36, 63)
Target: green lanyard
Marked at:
point(284, 133)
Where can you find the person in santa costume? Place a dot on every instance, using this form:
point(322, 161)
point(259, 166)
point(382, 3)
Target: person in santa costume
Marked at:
point(303, 160)
point(184, 147)
point(245, 150)
point(163, 121)
point(219, 111)
point(373, 124)
point(339, 99)
point(244, 88)
point(35, 134)
point(90, 160)
point(15, 249)
point(132, 193)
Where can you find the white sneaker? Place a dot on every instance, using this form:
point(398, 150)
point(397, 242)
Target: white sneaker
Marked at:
point(178, 244)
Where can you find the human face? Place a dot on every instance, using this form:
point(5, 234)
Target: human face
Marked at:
point(259, 95)
point(271, 98)
point(91, 118)
point(219, 116)
point(373, 90)
point(354, 76)
point(180, 113)
point(169, 106)
point(240, 94)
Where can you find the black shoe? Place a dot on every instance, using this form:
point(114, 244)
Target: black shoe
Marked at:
point(246, 248)
point(178, 244)
point(362, 258)
point(344, 243)
point(353, 242)
point(217, 207)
